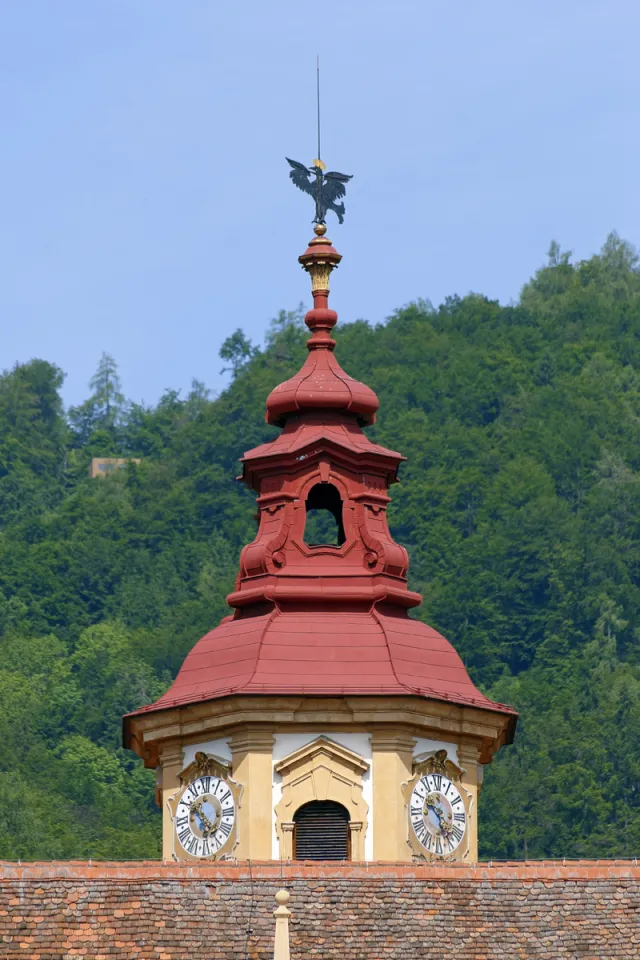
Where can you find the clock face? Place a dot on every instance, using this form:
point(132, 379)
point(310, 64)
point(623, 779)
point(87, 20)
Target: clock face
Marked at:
point(205, 816)
point(437, 813)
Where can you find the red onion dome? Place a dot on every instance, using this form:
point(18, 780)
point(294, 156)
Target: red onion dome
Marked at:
point(321, 384)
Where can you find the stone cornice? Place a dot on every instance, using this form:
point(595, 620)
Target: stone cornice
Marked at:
point(417, 716)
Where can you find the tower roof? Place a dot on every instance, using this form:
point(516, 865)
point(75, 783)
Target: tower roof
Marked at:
point(331, 653)
point(325, 619)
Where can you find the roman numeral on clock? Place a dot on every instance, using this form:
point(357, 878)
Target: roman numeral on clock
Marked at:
point(460, 817)
point(438, 846)
point(457, 833)
point(182, 821)
point(416, 811)
point(183, 837)
point(419, 830)
point(225, 828)
point(437, 779)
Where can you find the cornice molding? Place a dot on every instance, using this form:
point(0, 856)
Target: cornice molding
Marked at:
point(229, 716)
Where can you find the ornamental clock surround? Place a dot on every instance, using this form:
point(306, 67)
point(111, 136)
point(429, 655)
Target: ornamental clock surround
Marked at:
point(205, 816)
point(320, 688)
point(440, 807)
point(204, 811)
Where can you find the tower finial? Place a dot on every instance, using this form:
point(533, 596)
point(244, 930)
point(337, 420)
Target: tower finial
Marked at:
point(318, 162)
point(319, 259)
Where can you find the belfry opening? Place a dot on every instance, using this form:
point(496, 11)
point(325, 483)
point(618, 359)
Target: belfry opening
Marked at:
point(324, 525)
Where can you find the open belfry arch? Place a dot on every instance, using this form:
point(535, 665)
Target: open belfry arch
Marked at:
point(320, 703)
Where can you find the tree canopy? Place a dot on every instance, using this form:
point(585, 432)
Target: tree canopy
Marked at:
point(519, 505)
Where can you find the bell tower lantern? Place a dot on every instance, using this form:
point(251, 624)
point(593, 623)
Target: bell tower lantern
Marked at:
point(320, 720)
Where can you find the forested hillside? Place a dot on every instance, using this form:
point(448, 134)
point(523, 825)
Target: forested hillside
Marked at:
point(519, 504)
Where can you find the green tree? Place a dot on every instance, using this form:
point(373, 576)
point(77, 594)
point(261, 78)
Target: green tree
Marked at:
point(103, 410)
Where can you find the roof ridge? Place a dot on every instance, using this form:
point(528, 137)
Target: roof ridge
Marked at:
point(376, 617)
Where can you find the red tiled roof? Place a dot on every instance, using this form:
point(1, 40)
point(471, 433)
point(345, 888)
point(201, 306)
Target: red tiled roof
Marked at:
point(323, 653)
point(580, 910)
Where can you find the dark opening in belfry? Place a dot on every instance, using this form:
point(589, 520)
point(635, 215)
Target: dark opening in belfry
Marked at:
point(321, 831)
point(324, 525)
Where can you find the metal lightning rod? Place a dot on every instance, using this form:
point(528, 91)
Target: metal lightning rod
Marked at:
point(318, 100)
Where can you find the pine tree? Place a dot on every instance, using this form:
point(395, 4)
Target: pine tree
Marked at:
point(103, 410)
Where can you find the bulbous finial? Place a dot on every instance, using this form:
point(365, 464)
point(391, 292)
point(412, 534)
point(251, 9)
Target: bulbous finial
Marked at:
point(321, 384)
point(282, 898)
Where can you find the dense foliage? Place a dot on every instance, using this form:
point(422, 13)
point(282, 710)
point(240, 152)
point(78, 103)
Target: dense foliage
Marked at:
point(519, 503)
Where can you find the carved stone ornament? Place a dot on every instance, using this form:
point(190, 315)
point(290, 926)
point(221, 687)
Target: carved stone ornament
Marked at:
point(204, 812)
point(438, 809)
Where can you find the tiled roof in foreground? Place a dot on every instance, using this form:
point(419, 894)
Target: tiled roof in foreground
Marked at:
point(574, 910)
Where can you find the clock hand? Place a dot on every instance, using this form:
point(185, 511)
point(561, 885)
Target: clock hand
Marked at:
point(206, 825)
point(433, 804)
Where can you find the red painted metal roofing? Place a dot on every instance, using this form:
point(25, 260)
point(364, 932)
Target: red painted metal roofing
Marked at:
point(341, 431)
point(337, 623)
point(321, 384)
point(323, 653)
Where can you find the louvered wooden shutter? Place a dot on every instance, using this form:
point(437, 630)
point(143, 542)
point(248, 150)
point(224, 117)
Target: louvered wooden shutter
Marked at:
point(321, 831)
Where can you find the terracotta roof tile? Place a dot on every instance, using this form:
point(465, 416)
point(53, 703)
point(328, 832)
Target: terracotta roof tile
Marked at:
point(583, 910)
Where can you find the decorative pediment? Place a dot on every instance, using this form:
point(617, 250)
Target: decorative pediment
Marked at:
point(318, 750)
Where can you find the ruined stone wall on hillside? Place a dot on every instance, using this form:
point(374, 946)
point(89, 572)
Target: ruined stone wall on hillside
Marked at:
point(111, 911)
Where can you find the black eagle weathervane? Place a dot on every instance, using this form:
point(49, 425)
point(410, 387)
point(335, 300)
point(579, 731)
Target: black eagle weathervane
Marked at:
point(325, 188)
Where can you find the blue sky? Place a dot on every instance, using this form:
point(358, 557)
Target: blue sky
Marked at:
point(146, 205)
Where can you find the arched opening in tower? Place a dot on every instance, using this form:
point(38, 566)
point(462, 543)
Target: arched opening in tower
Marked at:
point(321, 831)
point(324, 525)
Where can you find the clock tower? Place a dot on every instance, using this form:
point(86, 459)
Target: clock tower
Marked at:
point(320, 720)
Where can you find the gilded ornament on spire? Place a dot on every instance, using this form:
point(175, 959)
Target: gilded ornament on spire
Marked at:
point(319, 259)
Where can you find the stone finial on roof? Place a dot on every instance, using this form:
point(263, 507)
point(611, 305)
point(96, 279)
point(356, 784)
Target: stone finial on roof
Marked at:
point(282, 914)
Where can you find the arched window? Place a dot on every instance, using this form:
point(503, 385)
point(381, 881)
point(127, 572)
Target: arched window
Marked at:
point(323, 525)
point(321, 831)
